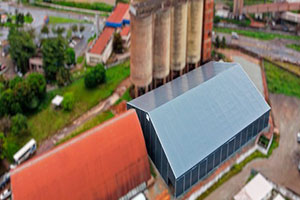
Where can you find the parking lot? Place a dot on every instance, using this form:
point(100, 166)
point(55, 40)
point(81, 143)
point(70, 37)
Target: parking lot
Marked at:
point(281, 167)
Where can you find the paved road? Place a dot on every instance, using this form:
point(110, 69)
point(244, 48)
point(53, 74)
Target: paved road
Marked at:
point(274, 49)
point(281, 167)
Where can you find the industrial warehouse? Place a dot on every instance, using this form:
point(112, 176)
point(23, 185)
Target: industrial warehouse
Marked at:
point(101, 163)
point(196, 122)
point(168, 38)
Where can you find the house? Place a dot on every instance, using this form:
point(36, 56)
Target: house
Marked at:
point(195, 123)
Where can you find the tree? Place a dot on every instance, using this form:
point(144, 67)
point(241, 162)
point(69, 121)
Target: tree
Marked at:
point(74, 28)
point(63, 77)
point(20, 19)
point(9, 105)
point(81, 29)
point(68, 102)
point(223, 43)
point(19, 126)
point(60, 30)
point(95, 76)
point(117, 43)
point(69, 34)
point(45, 30)
point(54, 56)
point(5, 125)
point(37, 84)
point(22, 48)
point(70, 57)
point(13, 82)
point(217, 41)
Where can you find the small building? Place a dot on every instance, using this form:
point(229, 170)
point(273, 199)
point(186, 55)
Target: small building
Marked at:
point(101, 50)
point(36, 65)
point(125, 34)
point(195, 123)
point(257, 189)
point(57, 100)
point(106, 162)
point(222, 10)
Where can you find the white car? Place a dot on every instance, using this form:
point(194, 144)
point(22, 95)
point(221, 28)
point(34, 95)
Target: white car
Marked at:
point(234, 35)
point(4, 195)
point(298, 137)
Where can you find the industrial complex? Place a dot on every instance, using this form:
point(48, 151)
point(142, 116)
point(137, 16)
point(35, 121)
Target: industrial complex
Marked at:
point(196, 122)
point(168, 38)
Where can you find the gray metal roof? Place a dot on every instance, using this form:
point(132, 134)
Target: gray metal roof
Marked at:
point(196, 113)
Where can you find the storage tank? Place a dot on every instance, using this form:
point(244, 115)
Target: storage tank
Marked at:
point(141, 50)
point(178, 37)
point(161, 44)
point(194, 31)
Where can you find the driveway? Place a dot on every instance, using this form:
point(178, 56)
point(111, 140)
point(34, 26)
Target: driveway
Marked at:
point(281, 167)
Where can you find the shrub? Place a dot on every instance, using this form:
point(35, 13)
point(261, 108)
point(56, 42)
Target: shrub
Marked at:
point(68, 102)
point(70, 57)
point(95, 76)
point(63, 77)
point(13, 82)
point(37, 84)
point(19, 125)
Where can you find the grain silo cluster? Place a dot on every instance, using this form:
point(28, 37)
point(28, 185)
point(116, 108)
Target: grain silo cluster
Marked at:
point(167, 39)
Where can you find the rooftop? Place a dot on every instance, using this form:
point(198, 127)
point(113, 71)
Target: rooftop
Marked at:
point(119, 13)
point(198, 112)
point(102, 163)
point(102, 41)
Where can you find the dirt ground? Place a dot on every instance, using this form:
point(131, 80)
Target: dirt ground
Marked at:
point(281, 167)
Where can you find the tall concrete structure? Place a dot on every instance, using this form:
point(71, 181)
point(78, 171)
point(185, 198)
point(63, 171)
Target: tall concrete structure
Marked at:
point(178, 37)
point(167, 36)
point(194, 34)
point(238, 8)
point(161, 46)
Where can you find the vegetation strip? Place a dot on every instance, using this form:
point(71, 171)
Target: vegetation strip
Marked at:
point(256, 34)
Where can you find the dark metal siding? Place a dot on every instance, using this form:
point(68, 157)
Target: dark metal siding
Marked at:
point(223, 153)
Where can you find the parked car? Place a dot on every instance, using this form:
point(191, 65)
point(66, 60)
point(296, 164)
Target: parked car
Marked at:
point(234, 35)
point(298, 137)
point(6, 194)
point(4, 180)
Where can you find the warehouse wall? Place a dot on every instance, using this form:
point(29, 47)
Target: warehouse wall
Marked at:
point(223, 153)
point(154, 148)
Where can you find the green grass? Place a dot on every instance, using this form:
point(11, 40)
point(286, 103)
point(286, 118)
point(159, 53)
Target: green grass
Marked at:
point(152, 171)
point(88, 125)
point(256, 34)
point(281, 81)
point(80, 59)
point(237, 168)
point(294, 46)
point(90, 6)
point(48, 121)
point(92, 37)
point(61, 20)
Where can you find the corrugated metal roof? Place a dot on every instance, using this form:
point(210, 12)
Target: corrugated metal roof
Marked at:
point(199, 111)
point(106, 162)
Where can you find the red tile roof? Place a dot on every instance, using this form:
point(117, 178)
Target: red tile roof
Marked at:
point(119, 13)
point(102, 41)
point(125, 31)
point(105, 162)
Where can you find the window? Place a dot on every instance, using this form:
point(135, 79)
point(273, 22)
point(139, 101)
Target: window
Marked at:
point(187, 181)
point(237, 141)
point(217, 157)
point(179, 186)
point(195, 175)
point(244, 136)
point(224, 152)
point(210, 162)
point(202, 169)
point(231, 147)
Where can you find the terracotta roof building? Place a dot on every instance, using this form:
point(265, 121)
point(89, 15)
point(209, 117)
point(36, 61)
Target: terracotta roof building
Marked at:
point(107, 162)
point(101, 50)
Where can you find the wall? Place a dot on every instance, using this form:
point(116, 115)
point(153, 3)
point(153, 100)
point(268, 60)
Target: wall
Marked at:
point(208, 15)
point(93, 59)
point(208, 165)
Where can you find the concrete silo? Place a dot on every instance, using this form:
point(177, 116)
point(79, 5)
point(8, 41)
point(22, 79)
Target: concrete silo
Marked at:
point(141, 58)
point(161, 46)
point(194, 32)
point(178, 37)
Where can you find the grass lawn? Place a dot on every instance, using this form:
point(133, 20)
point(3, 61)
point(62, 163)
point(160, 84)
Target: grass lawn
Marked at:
point(62, 20)
point(48, 121)
point(281, 81)
point(88, 125)
point(294, 46)
point(126, 97)
point(257, 34)
point(237, 168)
